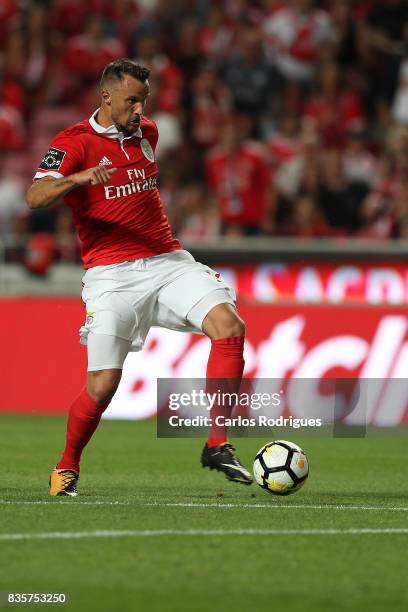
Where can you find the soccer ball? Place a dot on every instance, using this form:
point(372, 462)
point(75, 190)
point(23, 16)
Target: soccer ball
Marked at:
point(281, 467)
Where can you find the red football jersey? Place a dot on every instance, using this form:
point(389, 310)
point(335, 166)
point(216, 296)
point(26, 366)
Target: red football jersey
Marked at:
point(123, 219)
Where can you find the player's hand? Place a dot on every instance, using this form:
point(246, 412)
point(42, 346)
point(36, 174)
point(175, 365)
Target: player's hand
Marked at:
point(93, 176)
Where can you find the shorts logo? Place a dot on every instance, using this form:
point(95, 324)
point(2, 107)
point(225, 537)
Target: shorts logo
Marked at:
point(147, 149)
point(215, 275)
point(52, 160)
point(89, 318)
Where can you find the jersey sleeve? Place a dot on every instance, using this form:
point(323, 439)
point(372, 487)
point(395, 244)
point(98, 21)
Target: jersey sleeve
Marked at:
point(64, 157)
point(154, 135)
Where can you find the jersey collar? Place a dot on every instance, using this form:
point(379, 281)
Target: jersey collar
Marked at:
point(111, 131)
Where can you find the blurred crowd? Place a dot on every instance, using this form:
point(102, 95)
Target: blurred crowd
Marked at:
point(276, 118)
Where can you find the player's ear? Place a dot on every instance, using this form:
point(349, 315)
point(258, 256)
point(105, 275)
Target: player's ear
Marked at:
point(106, 97)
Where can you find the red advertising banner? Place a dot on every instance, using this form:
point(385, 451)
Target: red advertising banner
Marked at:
point(316, 282)
point(43, 365)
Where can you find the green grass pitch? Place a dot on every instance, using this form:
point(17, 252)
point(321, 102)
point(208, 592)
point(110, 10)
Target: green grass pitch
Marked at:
point(180, 537)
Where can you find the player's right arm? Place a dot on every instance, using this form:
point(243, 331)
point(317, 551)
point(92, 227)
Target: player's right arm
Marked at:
point(46, 191)
point(63, 168)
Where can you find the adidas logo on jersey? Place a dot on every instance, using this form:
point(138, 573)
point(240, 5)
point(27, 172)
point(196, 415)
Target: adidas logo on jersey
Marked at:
point(105, 161)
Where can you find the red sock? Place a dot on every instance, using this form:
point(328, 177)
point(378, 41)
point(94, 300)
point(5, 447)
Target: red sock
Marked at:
point(226, 361)
point(83, 419)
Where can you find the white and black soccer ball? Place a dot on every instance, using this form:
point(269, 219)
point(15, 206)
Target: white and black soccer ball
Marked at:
point(281, 467)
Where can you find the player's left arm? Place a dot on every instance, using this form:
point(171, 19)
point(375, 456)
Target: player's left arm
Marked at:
point(153, 134)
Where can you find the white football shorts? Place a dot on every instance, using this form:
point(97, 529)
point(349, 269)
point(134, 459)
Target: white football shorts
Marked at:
point(124, 300)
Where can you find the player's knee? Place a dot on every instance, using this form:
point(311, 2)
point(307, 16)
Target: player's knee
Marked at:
point(102, 385)
point(235, 326)
point(223, 322)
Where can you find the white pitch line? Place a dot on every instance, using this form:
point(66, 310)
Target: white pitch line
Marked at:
point(68, 535)
point(271, 506)
point(277, 506)
point(69, 501)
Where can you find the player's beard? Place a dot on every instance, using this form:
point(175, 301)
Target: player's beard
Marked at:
point(129, 129)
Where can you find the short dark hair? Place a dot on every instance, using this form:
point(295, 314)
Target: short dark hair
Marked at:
point(117, 69)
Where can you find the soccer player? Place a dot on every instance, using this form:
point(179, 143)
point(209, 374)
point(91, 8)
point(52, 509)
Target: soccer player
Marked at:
point(137, 274)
